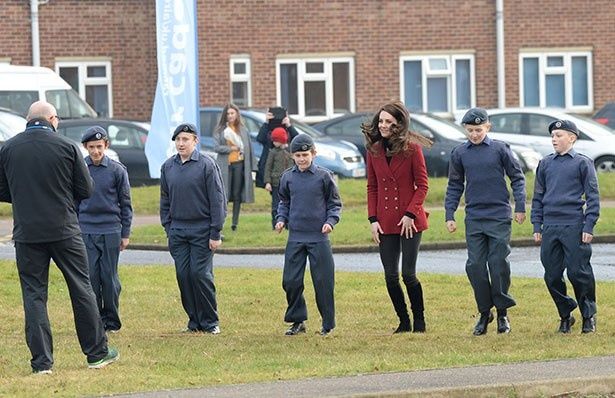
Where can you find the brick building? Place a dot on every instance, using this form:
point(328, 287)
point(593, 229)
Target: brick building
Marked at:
point(320, 58)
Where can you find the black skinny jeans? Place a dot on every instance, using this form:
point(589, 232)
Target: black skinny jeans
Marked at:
point(390, 248)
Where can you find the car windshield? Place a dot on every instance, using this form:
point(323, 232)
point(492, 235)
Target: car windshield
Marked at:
point(444, 127)
point(595, 128)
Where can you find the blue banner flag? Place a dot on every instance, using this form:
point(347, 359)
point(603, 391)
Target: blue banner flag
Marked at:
point(177, 92)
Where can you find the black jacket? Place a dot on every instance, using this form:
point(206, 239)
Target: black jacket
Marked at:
point(43, 174)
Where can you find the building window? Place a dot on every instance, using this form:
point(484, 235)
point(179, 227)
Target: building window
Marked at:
point(241, 85)
point(441, 84)
point(92, 80)
point(315, 89)
point(557, 79)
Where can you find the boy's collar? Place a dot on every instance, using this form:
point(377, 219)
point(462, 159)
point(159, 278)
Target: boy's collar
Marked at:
point(103, 162)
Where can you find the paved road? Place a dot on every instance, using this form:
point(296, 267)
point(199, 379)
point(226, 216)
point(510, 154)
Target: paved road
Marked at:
point(525, 261)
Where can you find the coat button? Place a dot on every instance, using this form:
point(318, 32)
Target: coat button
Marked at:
point(386, 189)
point(386, 198)
point(396, 198)
point(396, 207)
point(386, 208)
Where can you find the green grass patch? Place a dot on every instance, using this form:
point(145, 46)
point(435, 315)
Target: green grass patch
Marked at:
point(252, 348)
point(255, 230)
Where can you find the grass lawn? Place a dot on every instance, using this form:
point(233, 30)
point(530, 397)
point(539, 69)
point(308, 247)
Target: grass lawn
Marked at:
point(255, 230)
point(155, 355)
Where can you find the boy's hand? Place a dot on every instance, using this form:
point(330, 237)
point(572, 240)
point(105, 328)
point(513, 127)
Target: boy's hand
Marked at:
point(519, 218)
point(537, 237)
point(451, 226)
point(407, 227)
point(268, 187)
point(214, 244)
point(587, 237)
point(326, 228)
point(376, 231)
point(124, 243)
point(279, 226)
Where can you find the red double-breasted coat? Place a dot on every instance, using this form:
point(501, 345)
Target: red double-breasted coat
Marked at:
point(396, 188)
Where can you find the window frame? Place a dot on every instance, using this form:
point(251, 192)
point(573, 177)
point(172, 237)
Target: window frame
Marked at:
point(84, 80)
point(450, 74)
point(326, 76)
point(566, 70)
point(240, 78)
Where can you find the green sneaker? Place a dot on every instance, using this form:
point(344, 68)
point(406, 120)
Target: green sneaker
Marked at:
point(112, 356)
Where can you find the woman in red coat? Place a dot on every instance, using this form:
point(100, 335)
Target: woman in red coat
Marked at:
point(396, 190)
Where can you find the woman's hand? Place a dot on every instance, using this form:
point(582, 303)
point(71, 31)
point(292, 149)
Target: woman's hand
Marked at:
point(268, 187)
point(376, 231)
point(407, 227)
point(268, 116)
point(286, 121)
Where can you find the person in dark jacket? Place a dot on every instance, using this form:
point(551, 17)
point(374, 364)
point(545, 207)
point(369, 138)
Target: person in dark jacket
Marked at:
point(42, 174)
point(105, 220)
point(479, 167)
point(310, 206)
point(264, 137)
point(396, 189)
point(192, 212)
point(565, 209)
point(278, 160)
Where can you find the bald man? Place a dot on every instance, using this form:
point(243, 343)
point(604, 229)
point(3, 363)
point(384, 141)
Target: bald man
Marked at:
point(42, 174)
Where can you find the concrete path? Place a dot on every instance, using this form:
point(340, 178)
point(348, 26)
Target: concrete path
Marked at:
point(551, 378)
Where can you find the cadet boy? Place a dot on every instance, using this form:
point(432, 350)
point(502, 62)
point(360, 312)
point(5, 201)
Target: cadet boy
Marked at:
point(478, 166)
point(564, 227)
point(192, 212)
point(105, 220)
point(310, 205)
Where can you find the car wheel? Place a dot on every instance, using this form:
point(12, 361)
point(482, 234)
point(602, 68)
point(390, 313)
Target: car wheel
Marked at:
point(605, 164)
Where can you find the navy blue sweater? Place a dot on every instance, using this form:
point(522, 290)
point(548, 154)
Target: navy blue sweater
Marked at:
point(561, 181)
point(109, 209)
point(191, 194)
point(481, 170)
point(308, 200)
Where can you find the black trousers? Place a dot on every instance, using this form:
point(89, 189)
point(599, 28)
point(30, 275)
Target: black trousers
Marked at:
point(236, 182)
point(322, 270)
point(487, 266)
point(391, 246)
point(562, 249)
point(33, 265)
point(103, 256)
point(275, 201)
point(195, 276)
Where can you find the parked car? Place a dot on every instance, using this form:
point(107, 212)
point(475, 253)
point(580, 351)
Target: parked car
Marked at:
point(529, 126)
point(606, 115)
point(444, 134)
point(341, 157)
point(11, 123)
point(127, 143)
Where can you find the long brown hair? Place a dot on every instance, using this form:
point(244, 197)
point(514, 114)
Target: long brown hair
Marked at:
point(222, 121)
point(401, 136)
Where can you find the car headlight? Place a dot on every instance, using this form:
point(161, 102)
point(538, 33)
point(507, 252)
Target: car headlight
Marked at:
point(325, 153)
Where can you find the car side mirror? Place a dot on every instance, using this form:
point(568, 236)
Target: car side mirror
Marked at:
point(426, 133)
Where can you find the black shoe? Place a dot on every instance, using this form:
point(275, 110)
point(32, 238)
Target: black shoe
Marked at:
point(481, 326)
point(404, 327)
point(325, 331)
point(295, 329)
point(419, 326)
point(234, 227)
point(503, 324)
point(565, 324)
point(589, 324)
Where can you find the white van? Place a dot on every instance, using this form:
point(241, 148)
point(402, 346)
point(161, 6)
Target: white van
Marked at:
point(20, 86)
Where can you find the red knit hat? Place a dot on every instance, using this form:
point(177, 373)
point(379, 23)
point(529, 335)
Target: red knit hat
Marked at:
point(279, 135)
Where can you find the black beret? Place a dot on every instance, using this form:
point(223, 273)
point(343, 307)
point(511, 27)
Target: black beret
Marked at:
point(184, 128)
point(301, 143)
point(475, 116)
point(94, 133)
point(564, 125)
